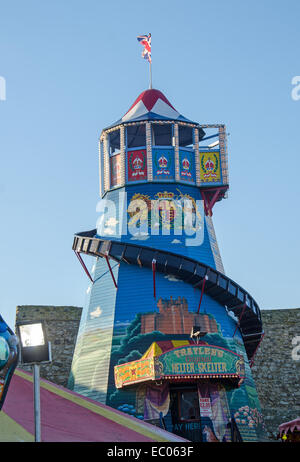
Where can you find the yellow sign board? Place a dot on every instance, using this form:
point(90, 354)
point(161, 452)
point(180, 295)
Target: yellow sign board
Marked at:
point(210, 168)
point(192, 361)
point(134, 372)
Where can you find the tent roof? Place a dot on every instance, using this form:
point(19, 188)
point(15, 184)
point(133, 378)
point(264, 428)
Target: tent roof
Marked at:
point(151, 105)
point(289, 426)
point(160, 347)
point(67, 416)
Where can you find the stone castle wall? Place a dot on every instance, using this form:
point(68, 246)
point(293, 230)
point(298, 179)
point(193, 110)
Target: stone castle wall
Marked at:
point(276, 373)
point(62, 323)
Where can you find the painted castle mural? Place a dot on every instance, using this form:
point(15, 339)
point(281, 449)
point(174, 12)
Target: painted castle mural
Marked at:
point(174, 318)
point(165, 335)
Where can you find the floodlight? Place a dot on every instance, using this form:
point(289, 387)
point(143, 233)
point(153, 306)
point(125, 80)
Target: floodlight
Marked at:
point(35, 347)
point(32, 335)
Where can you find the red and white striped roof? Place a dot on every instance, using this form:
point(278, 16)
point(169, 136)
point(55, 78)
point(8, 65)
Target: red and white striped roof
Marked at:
point(151, 105)
point(153, 101)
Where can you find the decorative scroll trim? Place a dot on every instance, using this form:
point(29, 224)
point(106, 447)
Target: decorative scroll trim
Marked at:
point(149, 151)
point(123, 156)
point(106, 163)
point(101, 185)
point(197, 158)
point(223, 152)
point(176, 150)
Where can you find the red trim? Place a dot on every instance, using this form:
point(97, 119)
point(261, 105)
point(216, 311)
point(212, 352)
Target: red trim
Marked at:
point(252, 359)
point(211, 196)
point(153, 271)
point(202, 290)
point(110, 270)
point(238, 324)
point(149, 98)
point(199, 376)
point(83, 265)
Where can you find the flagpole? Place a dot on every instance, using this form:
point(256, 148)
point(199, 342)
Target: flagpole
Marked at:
point(150, 62)
point(150, 68)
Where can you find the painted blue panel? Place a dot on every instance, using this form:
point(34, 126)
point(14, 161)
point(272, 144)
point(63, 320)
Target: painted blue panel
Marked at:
point(163, 164)
point(135, 295)
point(119, 225)
point(187, 170)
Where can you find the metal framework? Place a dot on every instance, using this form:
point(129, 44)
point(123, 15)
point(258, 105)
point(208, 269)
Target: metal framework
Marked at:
point(211, 196)
point(218, 286)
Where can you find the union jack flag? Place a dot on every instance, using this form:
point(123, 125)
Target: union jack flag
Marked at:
point(145, 40)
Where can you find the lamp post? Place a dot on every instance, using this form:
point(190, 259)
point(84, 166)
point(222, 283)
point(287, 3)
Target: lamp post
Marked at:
point(34, 350)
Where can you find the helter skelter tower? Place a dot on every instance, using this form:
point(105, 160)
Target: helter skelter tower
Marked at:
point(165, 335)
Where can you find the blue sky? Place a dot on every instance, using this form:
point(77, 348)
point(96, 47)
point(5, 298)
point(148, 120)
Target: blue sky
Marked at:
point(72, 68)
